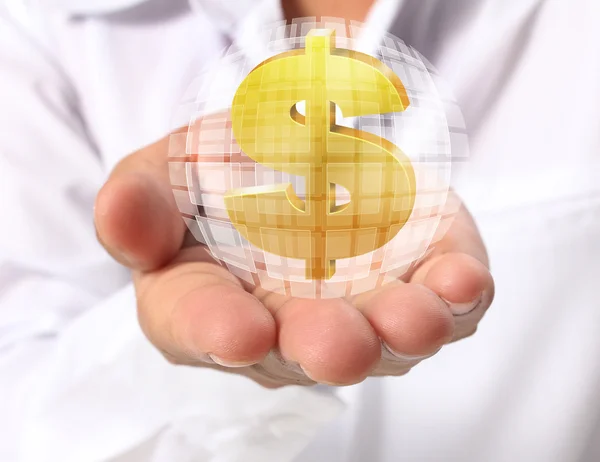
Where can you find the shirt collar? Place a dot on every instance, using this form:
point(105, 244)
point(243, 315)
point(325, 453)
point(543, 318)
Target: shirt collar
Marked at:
point(226, 13)
point(244, 21)
point(247, 25)
point(230, 15)
point(92, 7)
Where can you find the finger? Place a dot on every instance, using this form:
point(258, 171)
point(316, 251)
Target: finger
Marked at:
point(411, 320)
point(196, 312)
point(464, 283)
point(254, 372)
point(457, 270)
point(462, 237)
point(459, 279)
point(136, 216)
point(276, 369)
point(329, 339)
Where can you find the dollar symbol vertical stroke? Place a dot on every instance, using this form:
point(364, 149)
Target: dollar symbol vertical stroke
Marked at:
point(270, 130)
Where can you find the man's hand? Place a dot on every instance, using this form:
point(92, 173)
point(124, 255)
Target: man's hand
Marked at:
point(198, 314)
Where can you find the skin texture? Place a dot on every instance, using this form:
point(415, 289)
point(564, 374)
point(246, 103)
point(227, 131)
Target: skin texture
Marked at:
point(198, 314)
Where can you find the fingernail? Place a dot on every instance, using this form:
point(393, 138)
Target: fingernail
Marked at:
point(331, 384)
point(460, 309)
point(229, 363)
point(293, 367)
point(388, 353)
point(306, 372)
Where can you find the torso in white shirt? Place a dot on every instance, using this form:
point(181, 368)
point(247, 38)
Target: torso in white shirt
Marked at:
point(526, 73)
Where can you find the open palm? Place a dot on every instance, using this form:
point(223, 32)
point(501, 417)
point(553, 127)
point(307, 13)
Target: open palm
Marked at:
point(197, 313)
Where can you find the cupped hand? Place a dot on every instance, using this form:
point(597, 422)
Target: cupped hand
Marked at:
point(198, 314)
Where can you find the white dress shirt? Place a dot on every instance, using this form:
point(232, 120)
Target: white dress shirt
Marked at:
point(84, 83)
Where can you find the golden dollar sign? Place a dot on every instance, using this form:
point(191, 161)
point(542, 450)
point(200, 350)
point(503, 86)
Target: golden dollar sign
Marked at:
point(269, 129)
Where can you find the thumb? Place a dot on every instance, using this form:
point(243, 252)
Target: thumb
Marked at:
point(136, 217)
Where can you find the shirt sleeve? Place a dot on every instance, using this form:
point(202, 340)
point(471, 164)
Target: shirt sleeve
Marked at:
point(78, 380)
point(52, 270)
